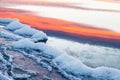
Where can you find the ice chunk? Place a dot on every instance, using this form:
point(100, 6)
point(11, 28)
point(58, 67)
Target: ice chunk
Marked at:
point(23, 44)
point(106, 73)
point(14, 25)
point(72, 65)
point(8, 35)
point(26, 31)
point(5, 20)
point(3, 77)
point(39, 37)
point(47, 51)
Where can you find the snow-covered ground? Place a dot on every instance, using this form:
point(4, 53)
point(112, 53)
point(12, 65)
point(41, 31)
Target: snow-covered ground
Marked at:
point(68, 66)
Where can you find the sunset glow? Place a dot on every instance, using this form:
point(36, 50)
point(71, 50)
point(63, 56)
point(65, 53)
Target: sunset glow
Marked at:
point(59, 25)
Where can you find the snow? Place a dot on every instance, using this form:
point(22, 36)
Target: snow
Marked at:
point(14, 25)
point(39, 36)
point(26, 31)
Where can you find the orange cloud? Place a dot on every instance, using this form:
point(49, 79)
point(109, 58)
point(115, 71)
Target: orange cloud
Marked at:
point(59, 25)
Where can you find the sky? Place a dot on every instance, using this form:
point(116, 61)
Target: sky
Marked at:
point(75, 17)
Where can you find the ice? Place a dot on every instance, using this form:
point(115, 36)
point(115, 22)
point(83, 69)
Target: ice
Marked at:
point(51, 52)
point(67, 65)
point(48, 51)
point(106, 73)
point(3, 77)
point(42, 47)
point(5, 20)
point(75, 67)
point(23, 44)
point(9, 35)
point(91, 55)
point(39, 36)
point(1, 26)
point(26, 31)
point(72, 65)
point(14, 25)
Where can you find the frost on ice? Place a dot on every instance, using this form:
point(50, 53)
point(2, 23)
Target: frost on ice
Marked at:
point(29, 42)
